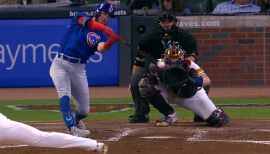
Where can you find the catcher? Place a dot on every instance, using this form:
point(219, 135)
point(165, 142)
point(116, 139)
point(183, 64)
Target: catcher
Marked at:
point(154, 44)
point(176, 79)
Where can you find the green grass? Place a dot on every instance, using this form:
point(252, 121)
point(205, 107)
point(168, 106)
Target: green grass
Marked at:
point(241, 100)
point(234, 113)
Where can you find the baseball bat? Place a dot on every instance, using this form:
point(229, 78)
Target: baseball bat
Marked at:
point(151, 58)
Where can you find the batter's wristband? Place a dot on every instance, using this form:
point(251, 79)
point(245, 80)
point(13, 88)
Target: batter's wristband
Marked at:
point(199, 81)
point(108, 44)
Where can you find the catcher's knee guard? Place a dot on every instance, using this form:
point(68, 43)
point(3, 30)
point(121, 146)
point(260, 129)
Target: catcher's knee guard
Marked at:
point(218, 118)
point(146, 87)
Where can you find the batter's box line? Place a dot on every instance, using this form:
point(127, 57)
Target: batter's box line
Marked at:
point(12, 146)
point(200, 134)
point(233, 141)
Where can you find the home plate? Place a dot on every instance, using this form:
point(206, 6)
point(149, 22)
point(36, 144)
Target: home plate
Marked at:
point(157, 137)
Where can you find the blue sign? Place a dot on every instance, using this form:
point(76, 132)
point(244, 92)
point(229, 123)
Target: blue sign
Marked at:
point(28, 47)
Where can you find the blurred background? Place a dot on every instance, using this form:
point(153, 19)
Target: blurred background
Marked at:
point(234, 48)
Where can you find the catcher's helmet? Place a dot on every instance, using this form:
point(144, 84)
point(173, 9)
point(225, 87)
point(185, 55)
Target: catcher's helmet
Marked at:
point(174, 51)
point(105, 7)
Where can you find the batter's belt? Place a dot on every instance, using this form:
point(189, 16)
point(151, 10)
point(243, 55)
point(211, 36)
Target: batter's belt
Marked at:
point(70, 59)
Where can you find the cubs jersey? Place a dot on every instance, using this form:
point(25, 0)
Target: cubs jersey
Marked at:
point(79, 41)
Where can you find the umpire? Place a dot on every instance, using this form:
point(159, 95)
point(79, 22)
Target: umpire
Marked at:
point(154, 44)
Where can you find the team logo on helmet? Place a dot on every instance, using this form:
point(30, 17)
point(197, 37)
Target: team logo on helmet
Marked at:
point(92, 39)
point(111, 9)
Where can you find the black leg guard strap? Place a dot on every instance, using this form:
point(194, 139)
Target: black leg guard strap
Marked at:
point(160, 104)
point(207, 89)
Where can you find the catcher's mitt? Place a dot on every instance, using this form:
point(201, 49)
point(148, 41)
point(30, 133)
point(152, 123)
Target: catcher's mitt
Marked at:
point(180, 81)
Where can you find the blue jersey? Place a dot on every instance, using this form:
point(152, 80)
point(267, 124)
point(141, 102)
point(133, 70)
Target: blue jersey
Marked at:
point(79, 41)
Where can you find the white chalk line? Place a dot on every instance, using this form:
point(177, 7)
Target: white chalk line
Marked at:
point(236, 141)
point(44, 123)
point(158, 137)
point(262, 130)
point(12, 146)
point(14, 107)
point(199, 135)
point(120, 135)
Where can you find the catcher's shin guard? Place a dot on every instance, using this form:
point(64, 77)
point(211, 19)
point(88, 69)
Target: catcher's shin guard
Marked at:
point(218, 118)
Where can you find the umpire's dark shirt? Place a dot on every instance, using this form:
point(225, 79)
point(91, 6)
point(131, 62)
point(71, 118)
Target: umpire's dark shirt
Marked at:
point(152, 43)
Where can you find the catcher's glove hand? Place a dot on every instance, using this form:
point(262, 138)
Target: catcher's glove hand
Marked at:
point(180, 81)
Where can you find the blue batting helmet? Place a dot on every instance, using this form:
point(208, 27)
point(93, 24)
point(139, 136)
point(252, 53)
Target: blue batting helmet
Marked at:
point(105, 7)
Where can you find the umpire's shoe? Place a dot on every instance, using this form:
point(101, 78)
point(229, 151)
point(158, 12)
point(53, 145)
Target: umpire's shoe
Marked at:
point(75, 131)
point(138, 119)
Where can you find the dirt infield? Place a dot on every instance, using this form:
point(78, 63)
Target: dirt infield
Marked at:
point(186, 137)
point(245, 136)
point(120, 92)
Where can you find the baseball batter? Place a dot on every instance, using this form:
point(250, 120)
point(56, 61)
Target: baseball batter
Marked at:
point(84, 36)
point(17, 133)
point(176, 79)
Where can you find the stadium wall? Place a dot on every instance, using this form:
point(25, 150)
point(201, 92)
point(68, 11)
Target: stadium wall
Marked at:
point(234, 50)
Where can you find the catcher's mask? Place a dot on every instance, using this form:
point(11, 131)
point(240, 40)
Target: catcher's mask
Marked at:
point(174, 52)
point(167, 23)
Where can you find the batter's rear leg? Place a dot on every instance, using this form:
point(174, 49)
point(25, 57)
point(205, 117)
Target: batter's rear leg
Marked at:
point(80, 94)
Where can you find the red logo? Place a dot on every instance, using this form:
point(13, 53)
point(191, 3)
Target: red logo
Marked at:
point(92, 38)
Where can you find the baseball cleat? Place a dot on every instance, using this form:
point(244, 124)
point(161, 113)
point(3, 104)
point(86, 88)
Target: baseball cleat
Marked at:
point(138, 119)
point(75, 131)
point(167, 120)
point(81, 125)
point(102, 148)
